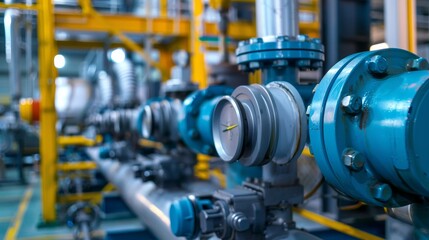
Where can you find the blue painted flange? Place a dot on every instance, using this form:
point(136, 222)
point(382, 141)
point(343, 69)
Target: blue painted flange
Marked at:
point(282, 51)
point(195, 122)
point(368, 127)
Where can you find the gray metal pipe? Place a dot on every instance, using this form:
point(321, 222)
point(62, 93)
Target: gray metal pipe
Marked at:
point(415, 214)
point(31, 75)
point(12, 23)
point(150, 203)
point(277, 17)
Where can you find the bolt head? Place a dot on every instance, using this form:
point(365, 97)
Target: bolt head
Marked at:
point(316, 40)
point(256, 40)
point(418, 64)
point(317, 64)
point(282, 38)
point(382, 192)
point(304, 63)
point(193, 133)
point(242, 67)
point(353, 159)
point(352, 104)
point(280, 63)
point(377, 65)
point(302, 38)
point(243, 43)
point(254, 65)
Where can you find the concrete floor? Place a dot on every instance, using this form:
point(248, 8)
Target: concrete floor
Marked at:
point(20, 213)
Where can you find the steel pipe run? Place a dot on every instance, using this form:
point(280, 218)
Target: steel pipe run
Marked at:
point(277, 18)
point(150, 203)
point(416, 214)
point(12, 24)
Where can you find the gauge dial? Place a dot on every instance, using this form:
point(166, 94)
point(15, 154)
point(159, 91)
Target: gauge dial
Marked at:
point(228, 129)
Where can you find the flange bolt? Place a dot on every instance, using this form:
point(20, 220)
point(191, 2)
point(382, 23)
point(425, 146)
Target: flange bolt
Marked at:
point(382, 192)
point(418, 64)
point(352, 104)
point(377, 65)
point(353, 159)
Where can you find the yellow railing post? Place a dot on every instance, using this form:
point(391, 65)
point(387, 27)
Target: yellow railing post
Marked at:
point(48, 116)
point(198, 66)
point(163, 8)
point(411, 24)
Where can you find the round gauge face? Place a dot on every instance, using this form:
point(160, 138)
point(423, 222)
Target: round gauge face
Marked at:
point(147, 123)
point(228, 129)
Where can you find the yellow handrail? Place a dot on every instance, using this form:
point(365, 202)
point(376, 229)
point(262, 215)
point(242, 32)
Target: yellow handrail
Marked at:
point(335, 225)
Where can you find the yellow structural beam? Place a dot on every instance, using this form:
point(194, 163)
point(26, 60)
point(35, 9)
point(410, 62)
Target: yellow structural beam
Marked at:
point(159, 26)
point(335, 225)
point(79, 141)
point(198, 66)
point(94, 197)
point(48, 116)
point(19, 6)
point(163, 6)
point(72, 44)
point(76, 166)
point(125, 23)
point(90, 13)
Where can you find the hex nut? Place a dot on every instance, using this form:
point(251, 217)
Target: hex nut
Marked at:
point(256, 40)
point(382, 192)
point(254, 65)
point(353, 159)
point(377, 65)
point(352, 104)
point(417, 64)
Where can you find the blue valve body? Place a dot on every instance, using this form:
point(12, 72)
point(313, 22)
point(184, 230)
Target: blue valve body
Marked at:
point(195, 123)
point(368, 127)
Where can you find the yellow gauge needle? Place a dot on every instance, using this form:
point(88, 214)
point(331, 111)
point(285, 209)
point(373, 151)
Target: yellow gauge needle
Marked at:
point(230, 128)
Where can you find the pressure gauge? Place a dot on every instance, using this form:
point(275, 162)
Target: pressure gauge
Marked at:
point(228, 128)
point(258, 124)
